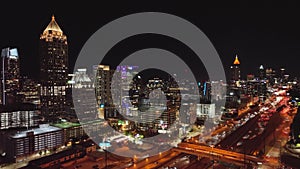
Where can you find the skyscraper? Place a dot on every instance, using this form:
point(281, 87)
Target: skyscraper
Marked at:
point(54, 71)
point(262, 73)
point(10, 74)
point(102, 89)
point(270, 75)
point(235, 71)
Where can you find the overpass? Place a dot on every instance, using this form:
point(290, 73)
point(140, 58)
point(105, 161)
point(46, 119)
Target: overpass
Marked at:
point(218, 154)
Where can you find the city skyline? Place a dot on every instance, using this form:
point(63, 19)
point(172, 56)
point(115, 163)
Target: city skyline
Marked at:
point(127, 114)
point(241, 32)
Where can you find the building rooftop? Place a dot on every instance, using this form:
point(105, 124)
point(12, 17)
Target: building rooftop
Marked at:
point(44, 128)
point(236, 61)
point(10, 53)
point(53, 26)
point(64, 125)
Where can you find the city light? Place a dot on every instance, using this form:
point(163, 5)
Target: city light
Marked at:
point(108, 115)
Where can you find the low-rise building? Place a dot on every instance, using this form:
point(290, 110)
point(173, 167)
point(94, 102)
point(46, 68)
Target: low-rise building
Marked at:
point(71, 131)
point(35, 140)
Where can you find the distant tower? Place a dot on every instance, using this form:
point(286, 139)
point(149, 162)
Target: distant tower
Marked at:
point(10, 75)
point(282, 73)
point(262, 88)
point(262, 72)
point(54, 71)
point(235, 71)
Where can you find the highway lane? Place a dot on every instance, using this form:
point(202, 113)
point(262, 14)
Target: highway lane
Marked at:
point(249, 131)
point(255, 140)
point(180, 162)
point(155, 161)
point(234, 137)
point(203, 163)
point(224, 129)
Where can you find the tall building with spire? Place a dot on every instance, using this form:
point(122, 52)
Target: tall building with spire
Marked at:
point(235, 71)
point(53, 52)
point(262, 72)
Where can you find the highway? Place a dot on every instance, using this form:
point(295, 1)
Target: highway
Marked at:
point(237, 147)
point(248, 132)
point(217, 154)
point(202, 163)
point(234, 137)
point(254, 136)
point(180, 162)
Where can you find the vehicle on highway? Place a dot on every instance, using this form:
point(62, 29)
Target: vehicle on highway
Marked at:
point(246, 136)
point(260, 131)
point(239, 143)
point(252, 137)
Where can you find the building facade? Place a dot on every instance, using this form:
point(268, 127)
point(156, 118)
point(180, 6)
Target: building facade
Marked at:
point(103, 78)
point(18, 116)
point(35, 140)
point(29, 91)
point(235, 71)
point(10, 74)
point(54, 71)
point(84, 89)
point(206, 110)
point(71, 131)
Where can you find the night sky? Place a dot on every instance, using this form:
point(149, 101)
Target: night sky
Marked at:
point(268, 34)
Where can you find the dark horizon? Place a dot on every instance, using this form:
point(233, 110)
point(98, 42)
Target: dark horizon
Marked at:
point(268, 36)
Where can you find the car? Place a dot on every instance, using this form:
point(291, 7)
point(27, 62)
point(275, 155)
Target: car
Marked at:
point(260, 132)
point(246, 136)
point(252, 137)
point(239, 143)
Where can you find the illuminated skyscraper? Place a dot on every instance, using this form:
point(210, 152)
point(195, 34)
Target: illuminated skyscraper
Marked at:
point(235, 71)
point(205, 92)
point(54, 71)
point(262, 88)
point(10, 74)
point(83, 86)
point(102, 89)
point(262, 72)
point(270, 75)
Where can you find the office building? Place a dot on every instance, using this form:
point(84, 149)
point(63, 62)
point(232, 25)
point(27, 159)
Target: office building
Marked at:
point(18, 116)
point(235, 72)
point(10, 74)
point(54, 71)
point(206, 110)
point(29, 91)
